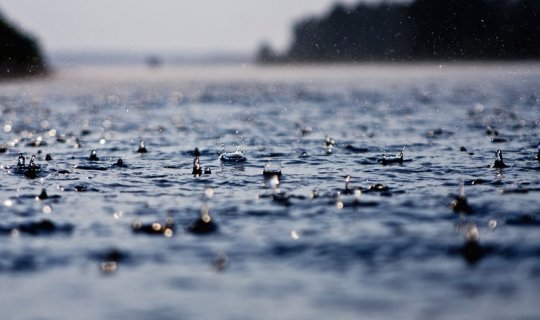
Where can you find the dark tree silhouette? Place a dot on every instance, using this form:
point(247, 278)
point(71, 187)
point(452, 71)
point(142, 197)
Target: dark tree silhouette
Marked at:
point(267, 54)
point(19, 53)
point(419, 30)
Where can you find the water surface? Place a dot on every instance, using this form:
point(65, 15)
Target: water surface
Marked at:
point(310, 254)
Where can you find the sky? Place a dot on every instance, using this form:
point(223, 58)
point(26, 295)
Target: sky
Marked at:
point(160, 26)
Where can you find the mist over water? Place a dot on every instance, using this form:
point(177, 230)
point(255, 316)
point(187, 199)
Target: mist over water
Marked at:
point(125, 240)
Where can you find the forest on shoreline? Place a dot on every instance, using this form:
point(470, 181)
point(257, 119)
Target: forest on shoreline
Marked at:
point(20, 55)
point(416, 31)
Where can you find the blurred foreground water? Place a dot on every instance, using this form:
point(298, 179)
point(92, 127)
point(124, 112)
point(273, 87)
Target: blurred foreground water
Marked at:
point(117, 240)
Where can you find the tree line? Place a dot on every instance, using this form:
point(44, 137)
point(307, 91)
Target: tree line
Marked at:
point(20, 55)
point(417, 30)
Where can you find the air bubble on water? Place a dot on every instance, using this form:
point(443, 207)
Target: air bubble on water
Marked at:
point(177, 97)
point(52, 133)
point(295, 235)
point(47, 209)
point(102, 141)
point(7, 127)
point(108, 266)
point(492, 224)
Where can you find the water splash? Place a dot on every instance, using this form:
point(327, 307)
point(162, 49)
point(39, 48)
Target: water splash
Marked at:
point(142, 148)
point(93, 156)
point(233, 157)
point(499, 162)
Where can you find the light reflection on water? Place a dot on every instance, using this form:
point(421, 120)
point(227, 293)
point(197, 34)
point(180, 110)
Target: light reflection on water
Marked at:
point(118, 234)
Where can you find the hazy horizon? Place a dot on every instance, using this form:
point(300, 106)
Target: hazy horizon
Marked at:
point(166, 26)
point(127, 32)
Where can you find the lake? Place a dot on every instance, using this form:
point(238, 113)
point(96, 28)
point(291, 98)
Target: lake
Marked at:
point(425, 228)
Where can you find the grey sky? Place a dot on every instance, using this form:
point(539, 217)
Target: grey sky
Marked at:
point(161, 25)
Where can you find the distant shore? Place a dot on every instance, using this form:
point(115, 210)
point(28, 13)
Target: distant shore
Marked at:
point(361, 74)
point(20, 54)
point(420, 30)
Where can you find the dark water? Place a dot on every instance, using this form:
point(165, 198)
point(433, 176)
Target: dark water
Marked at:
point(297, 252)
